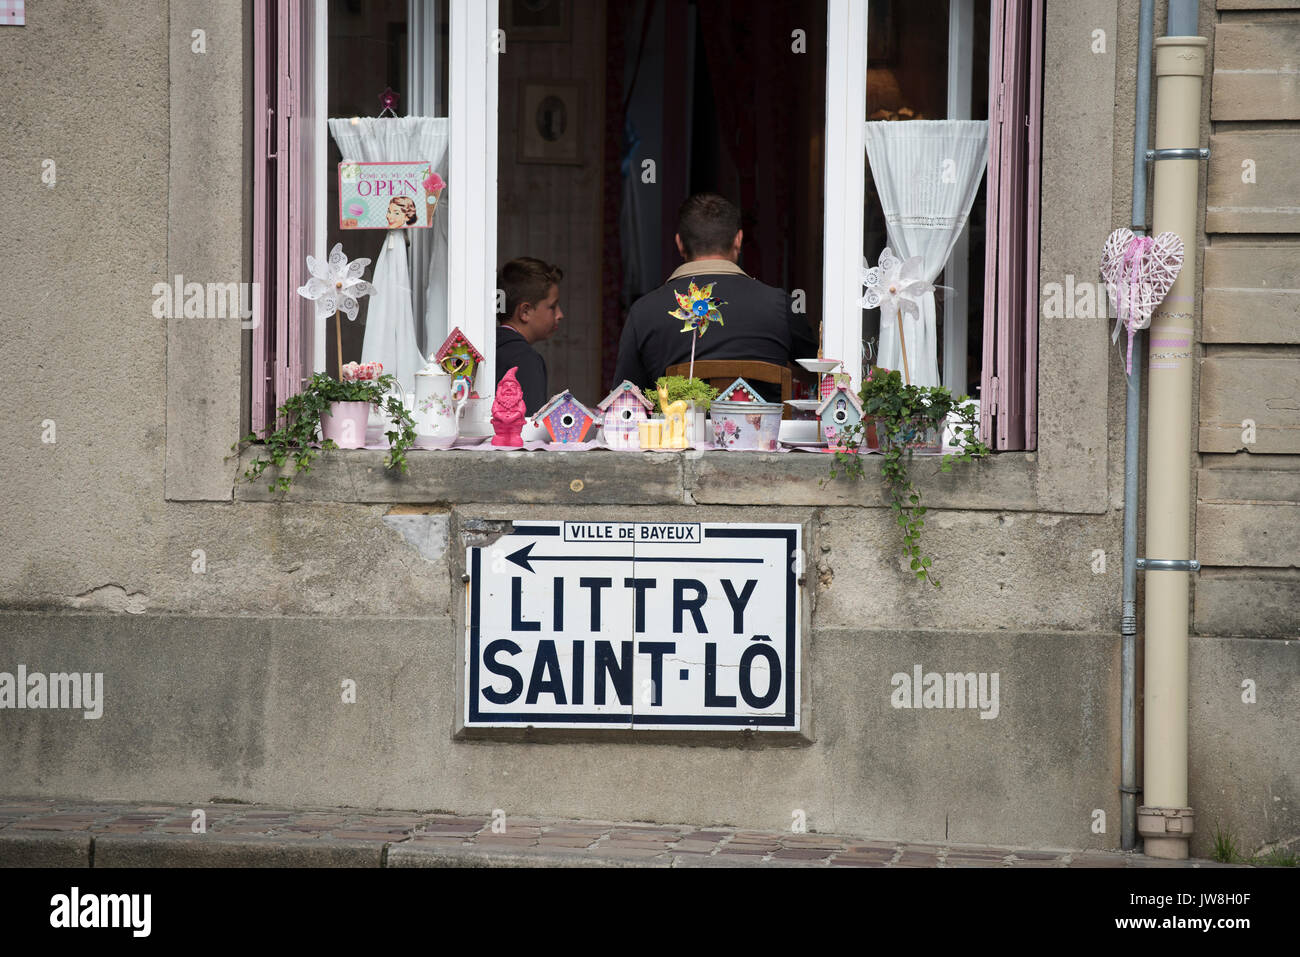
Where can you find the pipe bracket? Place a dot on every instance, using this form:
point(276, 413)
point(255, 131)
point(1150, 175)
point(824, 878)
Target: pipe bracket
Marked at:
point(1188, 153)
point(1168, 565)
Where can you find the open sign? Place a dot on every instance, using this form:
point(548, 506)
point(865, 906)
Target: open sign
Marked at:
point(386, 195)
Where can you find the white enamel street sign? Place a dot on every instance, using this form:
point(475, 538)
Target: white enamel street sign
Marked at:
point(646, 625)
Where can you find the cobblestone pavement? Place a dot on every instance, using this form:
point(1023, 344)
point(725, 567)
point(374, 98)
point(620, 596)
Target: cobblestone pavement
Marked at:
point(56, 833)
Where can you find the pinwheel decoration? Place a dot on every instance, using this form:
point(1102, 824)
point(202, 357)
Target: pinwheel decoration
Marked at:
point(335, 285)
point(900, 285)
point(697, 308)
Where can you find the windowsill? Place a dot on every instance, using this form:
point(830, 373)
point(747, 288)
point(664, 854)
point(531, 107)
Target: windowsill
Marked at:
point(1006, 481)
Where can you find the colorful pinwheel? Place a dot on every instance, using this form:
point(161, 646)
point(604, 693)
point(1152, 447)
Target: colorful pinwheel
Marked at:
point(697, 308)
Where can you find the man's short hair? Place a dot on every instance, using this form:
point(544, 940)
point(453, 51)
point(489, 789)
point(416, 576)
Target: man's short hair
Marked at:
point(707, 223)
point(526, 280)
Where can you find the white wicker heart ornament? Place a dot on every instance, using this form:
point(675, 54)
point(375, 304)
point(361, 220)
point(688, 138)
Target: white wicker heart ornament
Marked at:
point(1139, 272)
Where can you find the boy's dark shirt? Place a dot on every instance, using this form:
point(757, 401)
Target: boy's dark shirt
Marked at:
point(513, 350)
point(758, 324)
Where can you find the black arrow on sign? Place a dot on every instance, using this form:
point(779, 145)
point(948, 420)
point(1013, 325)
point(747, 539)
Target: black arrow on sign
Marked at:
point(523, 558)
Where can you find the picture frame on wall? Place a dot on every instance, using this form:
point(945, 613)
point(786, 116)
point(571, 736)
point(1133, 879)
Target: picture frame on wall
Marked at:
point(536, 21)
point(550, 122)
point(882, 34)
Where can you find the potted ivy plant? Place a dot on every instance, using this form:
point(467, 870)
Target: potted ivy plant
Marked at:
point(338, 410)
point(898, 419)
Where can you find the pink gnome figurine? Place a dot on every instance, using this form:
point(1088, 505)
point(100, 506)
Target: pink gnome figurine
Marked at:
point(508, 412)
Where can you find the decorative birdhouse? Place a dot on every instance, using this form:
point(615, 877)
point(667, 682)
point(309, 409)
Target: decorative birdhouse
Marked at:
point(458, 357)
point(622, 409)
point(740, 391)
point(838, 411)
point(565, 418)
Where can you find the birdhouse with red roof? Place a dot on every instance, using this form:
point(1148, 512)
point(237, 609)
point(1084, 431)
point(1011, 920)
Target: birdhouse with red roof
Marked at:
point(458, 357)
point(622, 409)
point(740, 391)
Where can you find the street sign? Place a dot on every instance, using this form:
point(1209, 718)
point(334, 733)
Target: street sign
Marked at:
point(646, 625)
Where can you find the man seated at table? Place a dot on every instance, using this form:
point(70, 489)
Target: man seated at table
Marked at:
point(758, 321)
point(532, 314)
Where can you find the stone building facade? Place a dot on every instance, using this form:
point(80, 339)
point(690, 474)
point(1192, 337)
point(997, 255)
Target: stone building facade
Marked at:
point(224, 618)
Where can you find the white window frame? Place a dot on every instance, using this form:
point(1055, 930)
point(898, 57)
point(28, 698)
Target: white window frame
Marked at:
point(321, 173)
point(472, 176)
point(846, 151)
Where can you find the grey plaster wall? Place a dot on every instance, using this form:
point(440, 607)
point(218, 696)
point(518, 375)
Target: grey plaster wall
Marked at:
point(224, 618)
point(251, 709)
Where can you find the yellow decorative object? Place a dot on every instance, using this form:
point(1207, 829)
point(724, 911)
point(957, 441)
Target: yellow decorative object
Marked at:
point(674, 430)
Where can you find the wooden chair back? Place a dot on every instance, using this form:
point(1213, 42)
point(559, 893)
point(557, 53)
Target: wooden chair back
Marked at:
point(720, 373)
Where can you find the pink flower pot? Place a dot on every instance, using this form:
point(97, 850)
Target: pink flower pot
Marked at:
point(345, 423)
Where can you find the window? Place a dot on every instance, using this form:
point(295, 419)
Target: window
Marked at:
point(656, 101)
point(1007, 270)
point(323, 70)
point(549, 197)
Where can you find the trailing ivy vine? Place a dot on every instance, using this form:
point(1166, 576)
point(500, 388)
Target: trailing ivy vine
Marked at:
point(901, 418)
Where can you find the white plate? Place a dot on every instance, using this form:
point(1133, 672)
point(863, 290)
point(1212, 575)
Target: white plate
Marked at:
point(800, 430)
point(820, 365)
point(804, 405)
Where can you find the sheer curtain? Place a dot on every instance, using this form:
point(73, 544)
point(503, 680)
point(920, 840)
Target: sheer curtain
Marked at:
point(391, 336)
point(927, 173)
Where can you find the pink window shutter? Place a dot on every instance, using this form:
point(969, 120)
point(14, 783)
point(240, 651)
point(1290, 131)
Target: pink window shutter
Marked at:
point(1009, 380)
point(1034, 122)
point(283, 196)
point(301, 312)
point(1011, 232)
point(262, 404)
point(286, 211)
point(992, 227)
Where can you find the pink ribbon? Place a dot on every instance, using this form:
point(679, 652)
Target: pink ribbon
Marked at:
point(1134, 253)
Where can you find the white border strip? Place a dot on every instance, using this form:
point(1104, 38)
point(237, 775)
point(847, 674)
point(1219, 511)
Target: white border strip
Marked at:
point(846, 110)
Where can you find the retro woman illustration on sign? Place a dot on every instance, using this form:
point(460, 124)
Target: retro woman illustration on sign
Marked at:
point(402, 213)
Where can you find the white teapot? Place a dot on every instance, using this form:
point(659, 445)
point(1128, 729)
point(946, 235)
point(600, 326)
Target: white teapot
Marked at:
point(439, 401)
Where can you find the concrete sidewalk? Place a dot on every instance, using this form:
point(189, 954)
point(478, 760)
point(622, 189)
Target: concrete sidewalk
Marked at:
point(47, 833)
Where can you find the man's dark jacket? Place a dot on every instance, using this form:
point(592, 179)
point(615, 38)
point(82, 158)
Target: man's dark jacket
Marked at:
point(758, 323)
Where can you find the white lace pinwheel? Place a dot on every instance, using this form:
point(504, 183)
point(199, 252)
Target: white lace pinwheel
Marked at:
point(335, 285)
point(895, 283)
point(870, 286)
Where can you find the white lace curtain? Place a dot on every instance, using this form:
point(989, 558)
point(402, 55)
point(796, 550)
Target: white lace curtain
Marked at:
point(404, 289)
point(927, 173)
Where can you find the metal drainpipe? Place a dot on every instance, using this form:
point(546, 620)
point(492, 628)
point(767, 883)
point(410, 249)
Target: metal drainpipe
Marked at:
point(1132, 416)
point(1165, 821)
